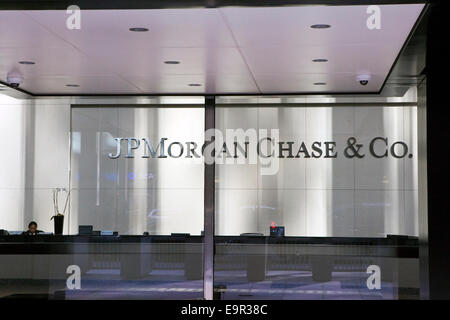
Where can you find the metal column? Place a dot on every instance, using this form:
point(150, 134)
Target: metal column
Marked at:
point(209, 194)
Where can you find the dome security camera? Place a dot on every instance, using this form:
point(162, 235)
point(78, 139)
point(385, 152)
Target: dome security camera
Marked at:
point(14, 80)
point(363, 79)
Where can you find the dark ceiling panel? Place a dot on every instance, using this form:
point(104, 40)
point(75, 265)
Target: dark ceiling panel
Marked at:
point(409, 68)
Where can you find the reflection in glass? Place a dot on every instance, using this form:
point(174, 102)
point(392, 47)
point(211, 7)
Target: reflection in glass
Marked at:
point(340, 214)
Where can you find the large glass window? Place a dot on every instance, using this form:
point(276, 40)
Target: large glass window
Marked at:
point(343, 185)
point(133, 224)
point(328, 208)
point(132, 174)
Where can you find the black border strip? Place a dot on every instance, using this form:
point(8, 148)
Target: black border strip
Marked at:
point(181, 4)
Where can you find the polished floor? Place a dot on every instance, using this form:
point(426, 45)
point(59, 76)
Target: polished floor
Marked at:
point(230, 285)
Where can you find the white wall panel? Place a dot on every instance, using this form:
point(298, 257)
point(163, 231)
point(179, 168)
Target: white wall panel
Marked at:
point(236, 211)
point(37, 161)
point(11, 209)
point(12, 163)
point(51, 146)
point(135, 195)
point(329, 197)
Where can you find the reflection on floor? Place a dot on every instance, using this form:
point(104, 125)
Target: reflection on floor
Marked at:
point(289, 285)
point(171, 284)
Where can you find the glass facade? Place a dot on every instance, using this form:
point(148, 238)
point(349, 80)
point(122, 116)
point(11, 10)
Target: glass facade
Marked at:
point(300, 211)
point(315, 195)
point(334, 211)
point(275, 151)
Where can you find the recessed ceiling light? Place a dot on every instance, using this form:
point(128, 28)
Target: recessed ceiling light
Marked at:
point(320, 26)
point(26, 62)
point(171, 62)
point(320, 60)
point(138, 29)
point(320, 83)
point(194, 85)
point(72, 85)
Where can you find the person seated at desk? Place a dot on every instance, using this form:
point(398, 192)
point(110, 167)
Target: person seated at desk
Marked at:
point(32, 229)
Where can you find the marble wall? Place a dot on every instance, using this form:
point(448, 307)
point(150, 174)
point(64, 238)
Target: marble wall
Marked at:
point(135, 195)
point(322, 197)
point(35, 160)
point(311, 197)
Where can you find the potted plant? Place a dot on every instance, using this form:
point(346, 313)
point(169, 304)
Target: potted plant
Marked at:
point(58, 218)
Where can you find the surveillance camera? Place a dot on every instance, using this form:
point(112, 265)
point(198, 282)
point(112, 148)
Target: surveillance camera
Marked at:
point(363, 79)
point(14, 80)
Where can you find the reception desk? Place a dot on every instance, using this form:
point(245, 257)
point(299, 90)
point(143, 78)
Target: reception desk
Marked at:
point(48, 256)
point(163, 262)
point(397, 256)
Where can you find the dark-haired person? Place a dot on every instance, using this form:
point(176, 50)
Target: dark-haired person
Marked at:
point(32, 229)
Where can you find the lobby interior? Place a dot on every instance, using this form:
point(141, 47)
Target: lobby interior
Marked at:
point(75, 79)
